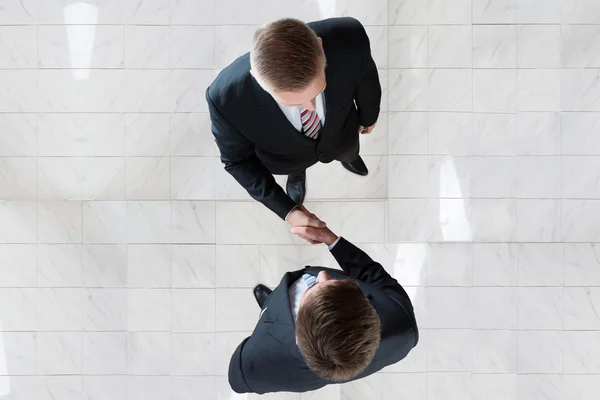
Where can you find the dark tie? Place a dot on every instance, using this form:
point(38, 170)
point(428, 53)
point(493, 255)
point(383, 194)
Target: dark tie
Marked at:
point(311, 123)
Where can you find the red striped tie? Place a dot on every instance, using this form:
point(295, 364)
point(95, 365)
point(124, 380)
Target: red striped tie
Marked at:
point(311, 123)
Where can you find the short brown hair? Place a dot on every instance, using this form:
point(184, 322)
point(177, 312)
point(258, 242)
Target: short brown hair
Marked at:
point(338, 330)
point(287, 55)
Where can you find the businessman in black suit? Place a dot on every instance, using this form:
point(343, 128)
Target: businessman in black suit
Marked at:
point(323, 326)
point(302, 95)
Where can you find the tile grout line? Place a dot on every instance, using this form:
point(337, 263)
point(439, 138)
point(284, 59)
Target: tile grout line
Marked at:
point(37, 131)
point(214, 167)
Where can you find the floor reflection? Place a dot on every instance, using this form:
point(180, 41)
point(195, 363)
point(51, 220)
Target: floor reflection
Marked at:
point(410, 267)
point(327, 8)
point(81, 37)
point(454, 222)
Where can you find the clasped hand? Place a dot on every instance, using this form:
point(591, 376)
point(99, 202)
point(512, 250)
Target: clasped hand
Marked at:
point(309, 227)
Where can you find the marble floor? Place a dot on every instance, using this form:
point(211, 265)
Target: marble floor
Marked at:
point(127, 253)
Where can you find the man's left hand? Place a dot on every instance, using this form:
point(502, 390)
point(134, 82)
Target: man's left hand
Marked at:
point(365, 130)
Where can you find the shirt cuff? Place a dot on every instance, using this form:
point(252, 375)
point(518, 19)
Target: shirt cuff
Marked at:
point(288, 214)
point(334, 243)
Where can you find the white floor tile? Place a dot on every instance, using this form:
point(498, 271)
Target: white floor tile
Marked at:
point(104, 386)
point(450, 350)
point(104, 353)
point(128, 254)
point(193, 310)
point(18, 267)
point(149, 353)
point(236, 310)
point(495, 351)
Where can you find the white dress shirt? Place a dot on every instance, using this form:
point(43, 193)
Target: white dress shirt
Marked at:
point(293, 113)
point(298, 288)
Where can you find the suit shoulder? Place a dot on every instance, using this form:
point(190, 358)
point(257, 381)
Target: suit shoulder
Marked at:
point(345, 41)
point(345, 29)
point(352, 25)
point(231, 84)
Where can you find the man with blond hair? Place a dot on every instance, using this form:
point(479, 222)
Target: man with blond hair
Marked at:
point(301, 96)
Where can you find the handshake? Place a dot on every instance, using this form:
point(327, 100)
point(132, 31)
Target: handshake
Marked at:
point(309, 227)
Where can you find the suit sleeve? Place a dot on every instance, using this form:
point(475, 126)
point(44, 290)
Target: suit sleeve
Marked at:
point(237, 153)
point(368, 90)
point(358, 265)
point(237, 380)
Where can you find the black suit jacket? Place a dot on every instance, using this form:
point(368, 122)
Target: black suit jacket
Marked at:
point(270, 361)
point(255, 138)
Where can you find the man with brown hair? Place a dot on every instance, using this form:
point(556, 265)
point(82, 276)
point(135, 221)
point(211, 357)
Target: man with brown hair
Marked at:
point(323, 326)
point(302, 95)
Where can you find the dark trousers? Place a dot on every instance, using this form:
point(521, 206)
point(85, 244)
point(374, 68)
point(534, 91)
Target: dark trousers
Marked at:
point(352, 153)
point(348, 156)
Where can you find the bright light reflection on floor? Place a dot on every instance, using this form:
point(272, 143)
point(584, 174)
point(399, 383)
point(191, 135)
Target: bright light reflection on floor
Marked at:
point(453, 221)
point(81, 37)
point(327, 8)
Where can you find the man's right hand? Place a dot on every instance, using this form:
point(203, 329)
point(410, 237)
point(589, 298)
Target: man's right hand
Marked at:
point(316, 235)
point(300, 216)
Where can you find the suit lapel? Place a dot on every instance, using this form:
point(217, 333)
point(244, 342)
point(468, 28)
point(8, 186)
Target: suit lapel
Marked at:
point(330, 99)
point(268, 111)
point(278, 306)
point(279, 315)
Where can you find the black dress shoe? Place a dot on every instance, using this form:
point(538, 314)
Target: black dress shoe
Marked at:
point(357, 166)
point(261, 292)
point(296, 187)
